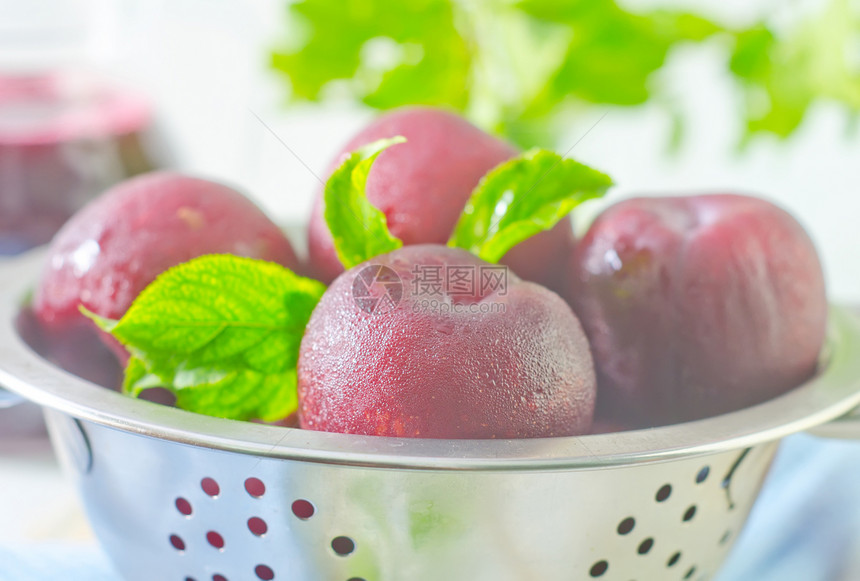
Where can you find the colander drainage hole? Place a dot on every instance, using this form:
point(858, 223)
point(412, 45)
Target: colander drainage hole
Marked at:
point(255, 487)
point(725, 538)
point(183, 506)
point(355, 579)
point(257, 526)
point(210, 487)
point(599, 568)
point(217, 577)
point(265, 573)
point(343, 545)
point(664, 493)
point(691, 512)
point(690, 573)
point(177, 542)
point(303, 509)
point(645, 546)
point(625, 526)
point(215, 540)
point(703, 474)
point(673, 560)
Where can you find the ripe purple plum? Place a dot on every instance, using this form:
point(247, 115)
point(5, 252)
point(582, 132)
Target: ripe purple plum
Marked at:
point(423, 185)
point(385, 354)
point(116, 245)
point(697, 306)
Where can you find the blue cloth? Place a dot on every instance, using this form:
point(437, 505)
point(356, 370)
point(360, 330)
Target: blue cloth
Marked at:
point(805, 525)
point(55, 562)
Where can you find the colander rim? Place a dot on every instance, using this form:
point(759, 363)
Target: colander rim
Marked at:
point(834, 392)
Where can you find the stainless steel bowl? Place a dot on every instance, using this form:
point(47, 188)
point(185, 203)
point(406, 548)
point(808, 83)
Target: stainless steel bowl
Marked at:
point(178, 496)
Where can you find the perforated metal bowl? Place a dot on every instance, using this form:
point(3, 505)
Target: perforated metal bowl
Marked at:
point(177, 496)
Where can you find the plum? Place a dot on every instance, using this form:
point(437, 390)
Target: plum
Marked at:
point(697, 306)
point(423, 185)
point(115, 246)
point(387, 353)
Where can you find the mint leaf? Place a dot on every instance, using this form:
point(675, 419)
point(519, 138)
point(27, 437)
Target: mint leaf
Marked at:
point(522, 197)
point(613, 54)
point(248, 394)
point(784, 72)
point(138, 377)
point(388, 53)
point(222, 333)
point(358, 229)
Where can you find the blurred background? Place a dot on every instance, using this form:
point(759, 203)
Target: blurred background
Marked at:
point(669, 97)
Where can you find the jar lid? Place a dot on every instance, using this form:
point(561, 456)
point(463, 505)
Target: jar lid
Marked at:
point(68, 106)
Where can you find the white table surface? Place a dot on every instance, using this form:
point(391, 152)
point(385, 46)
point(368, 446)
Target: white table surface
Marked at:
point(44, 535)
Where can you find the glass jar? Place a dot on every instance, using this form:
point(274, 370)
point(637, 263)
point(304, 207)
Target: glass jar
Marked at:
point(67, 132)
point(64, 138)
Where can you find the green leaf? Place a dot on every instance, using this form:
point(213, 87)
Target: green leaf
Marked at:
point(750, 58)
point(388, 52)
point(138, 377)
point(562, 11)
point(359, 230)
point(222, 333)
point(783, 74)
point(247, 394)
point(613, 53)
point(522, 197)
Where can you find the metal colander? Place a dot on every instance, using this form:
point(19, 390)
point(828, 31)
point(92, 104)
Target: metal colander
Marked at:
point(178, 496)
